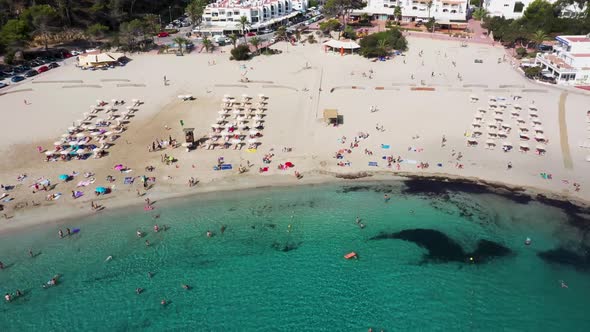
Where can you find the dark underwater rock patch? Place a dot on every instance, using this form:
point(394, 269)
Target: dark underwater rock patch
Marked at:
point(442, 248)
point(286, 247)
point(568, 257)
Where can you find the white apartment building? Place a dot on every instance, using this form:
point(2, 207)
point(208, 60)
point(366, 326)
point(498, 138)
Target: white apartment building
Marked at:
point(443, 11)
point(513, 9)
point(225, 14)
point(570, 61)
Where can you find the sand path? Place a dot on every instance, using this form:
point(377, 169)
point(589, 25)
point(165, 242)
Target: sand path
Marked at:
point(565, 146)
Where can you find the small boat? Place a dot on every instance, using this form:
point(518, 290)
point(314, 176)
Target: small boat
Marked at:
point(351, 255)
point(528, 241)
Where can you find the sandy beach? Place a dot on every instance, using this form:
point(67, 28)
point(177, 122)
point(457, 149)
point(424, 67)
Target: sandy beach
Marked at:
point(409, 123)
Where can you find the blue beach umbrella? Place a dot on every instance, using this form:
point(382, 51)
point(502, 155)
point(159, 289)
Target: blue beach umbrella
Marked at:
point(64, 177)
point(101, 190)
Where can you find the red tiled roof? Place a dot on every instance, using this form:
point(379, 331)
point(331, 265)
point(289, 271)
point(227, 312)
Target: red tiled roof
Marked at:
point(581, 55)
point(578, 39)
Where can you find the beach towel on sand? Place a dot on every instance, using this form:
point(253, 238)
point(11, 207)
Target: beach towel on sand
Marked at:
point(226, 167)
point(385, 146)
point(372, 163)
point(128, 180)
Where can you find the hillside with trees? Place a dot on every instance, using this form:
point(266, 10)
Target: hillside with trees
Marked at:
point(26, 23)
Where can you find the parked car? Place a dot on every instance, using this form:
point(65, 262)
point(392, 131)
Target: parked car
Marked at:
point(8, 72)
point(53, 65)
point(163, 34)
point(42, 69)
point(250, 34)
point(16, 79)
point(31, 73)
point(3, 85)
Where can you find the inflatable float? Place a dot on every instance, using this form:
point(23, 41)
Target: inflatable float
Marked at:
point(351, 255)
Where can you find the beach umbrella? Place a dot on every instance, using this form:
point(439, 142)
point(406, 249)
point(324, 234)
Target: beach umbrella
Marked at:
point(81, 152)
point(498, 118)
point(490, 142)
point(492, 125)
point(476, 124)
point(532, 107)
point(507, 144)
point(57, 143)
point(478, 117)
point(225, 133)
point(540, 137)
point(517, 107)
point(541, 148)
point(101, 190)
point(473, 97)
point(506, 125)
point(64, 177)
point(236, 133)
point(537, 121)
point(539, 129)
point(471, 140)
point(96, 150)
point(520, 120)
point(236, 141)
point(236, 112)
point(80, 135)
point(252, 140)
point(49, 153)
point(222, 112)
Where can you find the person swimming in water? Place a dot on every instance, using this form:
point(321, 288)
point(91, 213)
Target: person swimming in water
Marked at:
point(156, 228)
point(149, 274)
point(209, 234)
point(108, 258)
point(18, 293)
point(563, 284)
point(138, 290)
point(60, 233)
point(8, 297)
point(163, 302)
point(386, 197)
point(222, 229)
point(139, 233)
point(358, 220)
point(187, 287)
point(147, 243)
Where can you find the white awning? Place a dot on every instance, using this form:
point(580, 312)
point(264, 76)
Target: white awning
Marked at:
point(346, 44)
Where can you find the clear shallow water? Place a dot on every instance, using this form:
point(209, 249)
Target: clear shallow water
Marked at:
point(243, 280)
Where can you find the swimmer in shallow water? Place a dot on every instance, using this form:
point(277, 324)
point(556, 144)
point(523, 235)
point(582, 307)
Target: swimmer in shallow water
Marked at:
point(108, 258)
point(563, 284)
point(138, 290)
point(386, 198)
point(187, 287)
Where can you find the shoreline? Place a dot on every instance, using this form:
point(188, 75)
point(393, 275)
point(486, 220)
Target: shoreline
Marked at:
point(507, 190)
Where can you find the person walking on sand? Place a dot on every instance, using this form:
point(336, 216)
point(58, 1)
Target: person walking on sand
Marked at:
point(165, 81)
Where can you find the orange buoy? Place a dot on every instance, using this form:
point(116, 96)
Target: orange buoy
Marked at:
point(351, 255)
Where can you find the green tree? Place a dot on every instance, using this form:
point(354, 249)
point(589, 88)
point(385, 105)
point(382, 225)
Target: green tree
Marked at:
point(329, 25)
point(244, 25)
point(298, 35)
point(208, 44)
point(240, 53)
point(378, 44)
point(342, 7)
point(431, 24)
point(521, 52)
point(14, 33)
point(349, 33)
point(180, 41)
point(97, 31)
point(152, 24)
point(479, 14)
point(539, 14)
point(234, 39)
point(195, 10)
point(538, 37)
point(532, 72)
point(132, 32)
point(255, 41)
point(311, 39)
point(44, 20)
point(397, 13)
point(281, 33)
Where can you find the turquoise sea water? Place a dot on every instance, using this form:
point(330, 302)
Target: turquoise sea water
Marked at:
point(258, 276)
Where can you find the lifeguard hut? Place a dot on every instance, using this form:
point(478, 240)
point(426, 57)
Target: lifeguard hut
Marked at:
point(189, 138)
